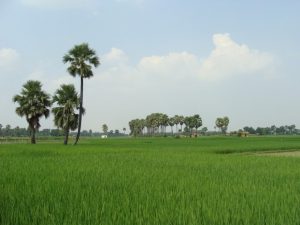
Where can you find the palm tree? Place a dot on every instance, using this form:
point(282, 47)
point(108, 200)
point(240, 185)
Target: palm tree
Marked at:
point(33, 104)
point(105, 128)
point(67, 101)
point(171, 123)
point(81, 59)
point(181, 122)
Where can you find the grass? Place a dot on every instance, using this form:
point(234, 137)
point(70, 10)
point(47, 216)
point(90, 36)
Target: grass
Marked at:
point(150, 181)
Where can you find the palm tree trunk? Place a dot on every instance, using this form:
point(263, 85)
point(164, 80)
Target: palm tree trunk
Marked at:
point(80, 111)
point(66, 136)
point(33, 136)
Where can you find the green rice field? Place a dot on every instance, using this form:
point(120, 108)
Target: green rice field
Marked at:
point(165, 181)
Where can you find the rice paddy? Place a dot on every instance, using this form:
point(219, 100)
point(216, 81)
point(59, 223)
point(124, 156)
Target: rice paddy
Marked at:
point(208, 180)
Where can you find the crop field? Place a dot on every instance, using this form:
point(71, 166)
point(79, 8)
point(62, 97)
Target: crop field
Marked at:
point(206, 180)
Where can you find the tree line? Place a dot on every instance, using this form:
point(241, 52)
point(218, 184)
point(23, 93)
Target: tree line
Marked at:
point(272, 130)
point(157, 123)
point(9, 131)
point(34, 103)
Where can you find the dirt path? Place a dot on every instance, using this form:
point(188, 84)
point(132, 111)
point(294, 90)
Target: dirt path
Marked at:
point(295, 153)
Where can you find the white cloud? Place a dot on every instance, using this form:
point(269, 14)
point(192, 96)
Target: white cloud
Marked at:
point(115, 56)
point(230, 58)
point(174, 64)
point(58, 3)
point(50, 85)
point(227, 59)
point(8, 58)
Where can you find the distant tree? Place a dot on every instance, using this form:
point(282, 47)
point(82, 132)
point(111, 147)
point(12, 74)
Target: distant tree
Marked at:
point(7, 130)
point(176, 122)
point(171, 123)
point(189, 124)
point(181, 121)
point(197, 122)
point(222, 123)
point(136, 127)
point(33, 104)
point(65, 117)
point(81, 59)
point(124, 130)
point(164, 122)
point(204, 130)
point(105, 128)
point(250, 130)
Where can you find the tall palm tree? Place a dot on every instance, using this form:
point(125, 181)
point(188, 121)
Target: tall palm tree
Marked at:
point(33, 104)
point(67, 100)
point(81, 59)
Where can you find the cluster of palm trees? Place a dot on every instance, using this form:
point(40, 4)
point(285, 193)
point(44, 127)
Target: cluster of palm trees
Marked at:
point(222, 123)
point(156, 123)
point(34, 103)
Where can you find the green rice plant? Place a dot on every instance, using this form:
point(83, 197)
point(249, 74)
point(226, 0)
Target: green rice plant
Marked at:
point(151, 181)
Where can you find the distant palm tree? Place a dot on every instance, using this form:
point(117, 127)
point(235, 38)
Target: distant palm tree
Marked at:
point(171, 123)
point(33, 104)
point(81, 59)
point(181, 122)
point(67, 101)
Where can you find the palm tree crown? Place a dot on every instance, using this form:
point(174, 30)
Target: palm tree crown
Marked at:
point(67, 101)
point(81, 59)
point(33, 104)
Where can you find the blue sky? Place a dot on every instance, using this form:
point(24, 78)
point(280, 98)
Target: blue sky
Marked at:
point(214, 58)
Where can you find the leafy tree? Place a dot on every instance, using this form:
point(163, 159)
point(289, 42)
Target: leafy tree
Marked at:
point(164, 122)
point(124, 130)
point(105, 128)
point(67, 100)
point(189, 124)
point(81, 59)
point(7, 130)
point(153, 122)
point(197, 122)
point(204, 130)
point(181, 121)
point(250, 130)
point(176, 122)
point(136, 127)
point(33, 104)
point(222, 123)
point(171, 123)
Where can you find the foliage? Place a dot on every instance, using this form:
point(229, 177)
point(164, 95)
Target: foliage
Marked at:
point(65, 116)
point(105, 128)
point(156, 124)
point(222, 123)
point(33, 104)
point(81, 59)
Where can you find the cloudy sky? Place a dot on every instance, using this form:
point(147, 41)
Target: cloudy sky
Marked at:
point(214, 58)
